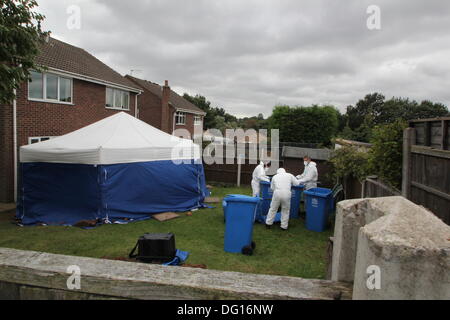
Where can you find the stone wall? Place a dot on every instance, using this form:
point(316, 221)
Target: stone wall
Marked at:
point(31, 275)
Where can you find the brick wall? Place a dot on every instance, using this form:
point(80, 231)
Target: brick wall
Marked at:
point(38, 119)
point(150, 109)
point(189, 122)
point(6, 153)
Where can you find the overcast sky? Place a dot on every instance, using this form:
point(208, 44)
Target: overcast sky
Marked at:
point(249, 55)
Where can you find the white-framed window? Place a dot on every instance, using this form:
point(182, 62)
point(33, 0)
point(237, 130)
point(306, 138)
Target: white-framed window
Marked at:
point(117, 99)
point(49, 87)
point(180, 118)
point(198, 121)
point(32, 140)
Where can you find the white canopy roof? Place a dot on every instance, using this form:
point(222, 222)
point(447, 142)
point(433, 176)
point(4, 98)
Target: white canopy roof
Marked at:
point(120, 138)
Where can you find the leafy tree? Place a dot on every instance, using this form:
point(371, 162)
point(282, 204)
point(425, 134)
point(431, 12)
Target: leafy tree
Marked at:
point(405, 109)
point(216, 118)
point(365, 111)
point(374, 110)
point(363, 133)
point(385, 156)
point(20, 34)
point(253, 122)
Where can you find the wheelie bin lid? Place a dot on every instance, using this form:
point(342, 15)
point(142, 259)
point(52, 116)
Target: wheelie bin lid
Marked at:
point(241, 198)
point(319, 192)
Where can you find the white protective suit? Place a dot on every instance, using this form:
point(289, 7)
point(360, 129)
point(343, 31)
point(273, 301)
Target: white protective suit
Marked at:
point(259, 174)
point(281, 185)
point(309, 176)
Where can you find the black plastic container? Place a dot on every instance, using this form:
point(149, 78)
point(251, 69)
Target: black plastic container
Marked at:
point(156, 247)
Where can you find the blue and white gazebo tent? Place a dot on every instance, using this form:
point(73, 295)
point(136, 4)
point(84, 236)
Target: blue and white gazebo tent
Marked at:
point(117, 168)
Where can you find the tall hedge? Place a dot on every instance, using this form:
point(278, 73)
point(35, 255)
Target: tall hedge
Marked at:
point(315, 124)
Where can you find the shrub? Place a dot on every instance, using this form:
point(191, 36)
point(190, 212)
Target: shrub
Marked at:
point(386, 154)
point(349, 162)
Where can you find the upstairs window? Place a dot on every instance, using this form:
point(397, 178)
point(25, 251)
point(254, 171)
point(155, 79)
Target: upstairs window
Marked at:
point(48, 87)
point(180, 118)
point(117, 99)
point(197, 120)
point(52, 87)
point(65, 90)
point(36, 86)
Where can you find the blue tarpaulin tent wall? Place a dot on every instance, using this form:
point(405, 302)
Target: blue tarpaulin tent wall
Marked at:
point(66, 193)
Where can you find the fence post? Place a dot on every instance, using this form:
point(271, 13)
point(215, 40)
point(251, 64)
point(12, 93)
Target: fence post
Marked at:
point(363, 189)
point(409, 138)
point(444, 139)
point(239, 170)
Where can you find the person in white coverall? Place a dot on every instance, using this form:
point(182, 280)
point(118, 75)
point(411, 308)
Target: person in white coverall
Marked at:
point(259, 174)
point(310, 175)
point(281, 186)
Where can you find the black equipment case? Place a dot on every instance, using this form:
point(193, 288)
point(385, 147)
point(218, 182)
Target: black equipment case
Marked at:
point(155, 247)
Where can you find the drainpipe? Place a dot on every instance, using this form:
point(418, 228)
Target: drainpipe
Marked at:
point(136, 111)
point(15, 143)
point(174, 116)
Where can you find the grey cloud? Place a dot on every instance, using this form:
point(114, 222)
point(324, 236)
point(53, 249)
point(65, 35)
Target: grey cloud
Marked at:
point(247, 56)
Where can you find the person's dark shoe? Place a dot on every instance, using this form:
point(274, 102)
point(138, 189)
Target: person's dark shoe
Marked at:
point(268, 226)
point(283, 229)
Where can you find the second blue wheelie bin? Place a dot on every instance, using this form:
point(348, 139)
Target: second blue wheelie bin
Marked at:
point(240, 213)
point(318, 204)
point(295, 201)
point(266, 199)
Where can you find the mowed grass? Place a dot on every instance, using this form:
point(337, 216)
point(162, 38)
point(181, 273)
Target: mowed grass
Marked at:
point(298, 252)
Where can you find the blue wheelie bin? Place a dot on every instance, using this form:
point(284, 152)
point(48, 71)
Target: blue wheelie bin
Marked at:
point(266, 196)
point(225, 202)
point(240, 213)
point(295, 201)
point(266, 199)
point(318, 203)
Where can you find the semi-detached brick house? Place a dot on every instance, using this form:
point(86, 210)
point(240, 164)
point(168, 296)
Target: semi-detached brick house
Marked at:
point(163, 108)
point(76, 90)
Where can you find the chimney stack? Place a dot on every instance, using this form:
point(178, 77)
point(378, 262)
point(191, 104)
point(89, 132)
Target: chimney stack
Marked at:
point(165, 118)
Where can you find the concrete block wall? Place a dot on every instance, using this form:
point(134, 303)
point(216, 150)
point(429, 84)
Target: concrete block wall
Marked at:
point(407, 244)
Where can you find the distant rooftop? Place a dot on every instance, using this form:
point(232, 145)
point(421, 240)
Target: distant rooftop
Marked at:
point(177, 101)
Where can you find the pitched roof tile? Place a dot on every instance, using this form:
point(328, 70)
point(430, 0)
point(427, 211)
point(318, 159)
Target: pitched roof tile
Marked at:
point(175, 99)
point(63, 56)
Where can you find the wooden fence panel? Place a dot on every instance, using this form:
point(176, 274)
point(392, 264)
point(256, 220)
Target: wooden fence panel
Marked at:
point(426, 174)
point(227, 173)
point(431, 171)
point(432, 132)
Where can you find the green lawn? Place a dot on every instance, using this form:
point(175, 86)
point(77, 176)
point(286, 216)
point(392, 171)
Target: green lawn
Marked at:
point(298, 252)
